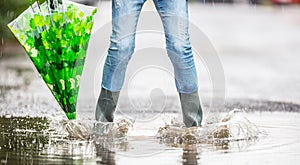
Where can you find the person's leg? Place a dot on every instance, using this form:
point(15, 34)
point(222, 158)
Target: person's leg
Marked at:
point(125, 14)
point(174, 15)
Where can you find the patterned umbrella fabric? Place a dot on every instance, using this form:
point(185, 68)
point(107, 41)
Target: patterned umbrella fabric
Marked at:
point(55, 35)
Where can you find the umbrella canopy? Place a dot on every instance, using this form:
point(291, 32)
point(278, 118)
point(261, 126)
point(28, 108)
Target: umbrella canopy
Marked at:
point(55, 36)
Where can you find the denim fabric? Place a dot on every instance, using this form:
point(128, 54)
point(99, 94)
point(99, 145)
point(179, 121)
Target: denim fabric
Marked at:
point(174, 15)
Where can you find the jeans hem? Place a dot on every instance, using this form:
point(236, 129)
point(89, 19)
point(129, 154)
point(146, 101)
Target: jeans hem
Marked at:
point(111, 90)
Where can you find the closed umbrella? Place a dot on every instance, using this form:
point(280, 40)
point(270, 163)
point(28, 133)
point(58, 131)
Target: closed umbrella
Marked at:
point(55, 35)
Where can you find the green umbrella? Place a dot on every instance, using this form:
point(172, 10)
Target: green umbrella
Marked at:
point(55, 35)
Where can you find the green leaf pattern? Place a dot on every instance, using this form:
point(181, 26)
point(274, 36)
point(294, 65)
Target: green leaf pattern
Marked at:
point(57, 43)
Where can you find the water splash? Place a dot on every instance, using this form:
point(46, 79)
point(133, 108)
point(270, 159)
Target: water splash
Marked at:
point(233, 127)
point(91, 130)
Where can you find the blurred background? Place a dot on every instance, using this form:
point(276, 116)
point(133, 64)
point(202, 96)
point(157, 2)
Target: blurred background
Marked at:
point(11, 9)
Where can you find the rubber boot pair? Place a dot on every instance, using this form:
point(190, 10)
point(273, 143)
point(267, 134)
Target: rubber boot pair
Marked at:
point(190, 104)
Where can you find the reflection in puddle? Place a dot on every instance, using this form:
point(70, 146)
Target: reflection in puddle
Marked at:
point(38, 140)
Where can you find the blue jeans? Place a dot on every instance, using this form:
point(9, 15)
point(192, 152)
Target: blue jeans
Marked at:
point(174, 15)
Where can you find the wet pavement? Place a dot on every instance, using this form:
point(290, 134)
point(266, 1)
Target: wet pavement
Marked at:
point(258, 47)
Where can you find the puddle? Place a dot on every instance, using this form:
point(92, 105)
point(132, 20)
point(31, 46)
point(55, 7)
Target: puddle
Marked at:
point(38, 140)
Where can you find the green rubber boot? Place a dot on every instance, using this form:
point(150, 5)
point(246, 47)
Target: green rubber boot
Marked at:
point(106, 105)
point(191, 109)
